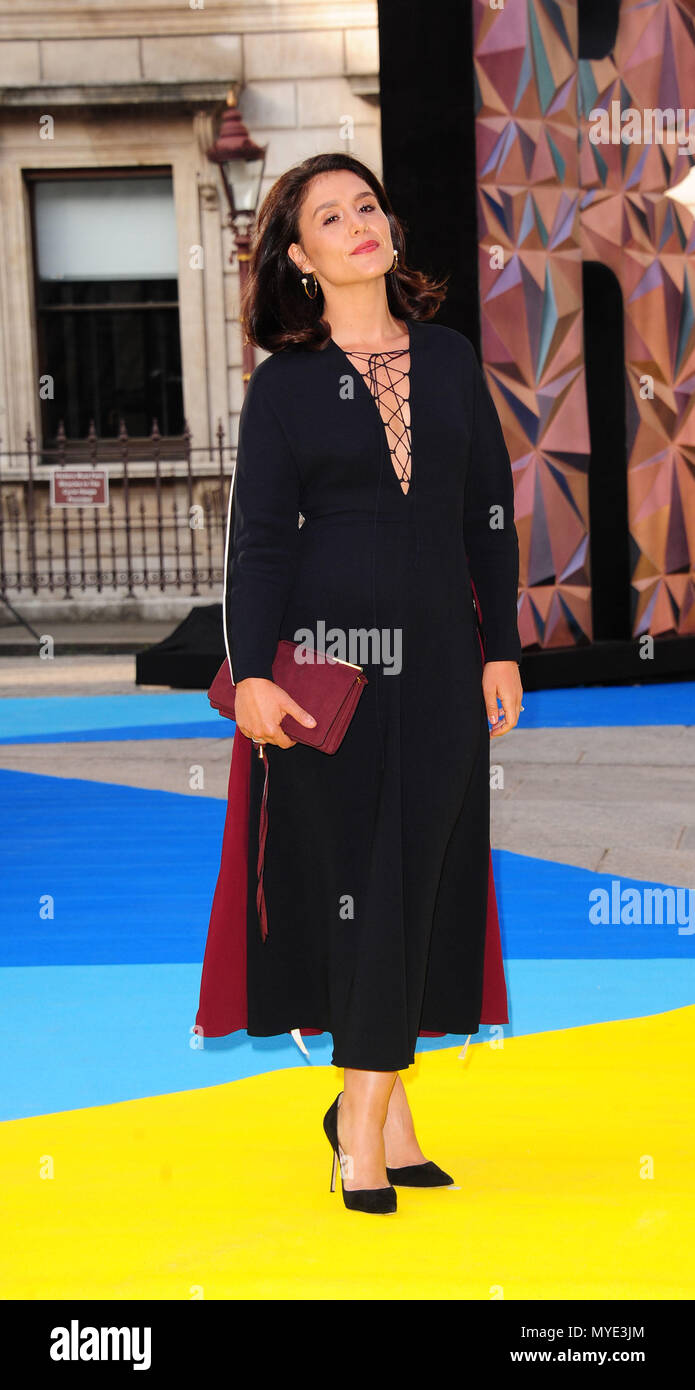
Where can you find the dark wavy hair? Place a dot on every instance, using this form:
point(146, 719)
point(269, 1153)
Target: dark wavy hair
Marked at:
point(276, 312)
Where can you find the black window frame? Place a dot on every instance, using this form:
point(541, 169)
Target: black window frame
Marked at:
point(170, 445)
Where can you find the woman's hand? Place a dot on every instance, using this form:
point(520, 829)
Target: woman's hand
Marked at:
point(260, 705)
point(501, 678)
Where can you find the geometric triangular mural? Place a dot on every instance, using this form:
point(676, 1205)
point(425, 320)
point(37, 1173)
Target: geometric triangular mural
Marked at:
point(549, 196)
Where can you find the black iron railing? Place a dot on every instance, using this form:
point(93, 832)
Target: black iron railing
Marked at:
point(160, 523)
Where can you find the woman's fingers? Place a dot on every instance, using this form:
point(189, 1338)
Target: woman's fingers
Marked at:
point(491, 706)
point(275, 736)
point(275, 733)
point(290, 706)
point(511, 706)
point(261, 707)
point(503, 725)
point(282, 740)
point(501, 680)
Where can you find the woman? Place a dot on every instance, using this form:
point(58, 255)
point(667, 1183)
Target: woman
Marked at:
point(372, 485)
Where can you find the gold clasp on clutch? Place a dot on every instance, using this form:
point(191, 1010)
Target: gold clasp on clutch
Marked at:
point(346, 663)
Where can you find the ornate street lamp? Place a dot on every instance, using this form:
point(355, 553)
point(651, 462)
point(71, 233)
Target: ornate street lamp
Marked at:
point(241, 163)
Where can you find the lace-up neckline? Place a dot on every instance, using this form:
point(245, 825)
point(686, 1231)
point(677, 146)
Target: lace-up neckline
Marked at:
point(386, 383)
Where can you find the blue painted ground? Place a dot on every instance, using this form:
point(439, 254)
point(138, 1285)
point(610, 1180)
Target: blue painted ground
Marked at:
point(181, 714)
point(79, 718)
point(96, 873)
point(201, 729)
point(610, 705)
point(98, 999)
point(74, 1036)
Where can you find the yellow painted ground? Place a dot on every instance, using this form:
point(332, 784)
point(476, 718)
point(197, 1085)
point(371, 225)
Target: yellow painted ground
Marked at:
point(224, 1192)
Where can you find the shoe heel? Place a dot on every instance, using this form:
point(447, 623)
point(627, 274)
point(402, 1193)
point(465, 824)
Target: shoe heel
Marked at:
point(372, 1199)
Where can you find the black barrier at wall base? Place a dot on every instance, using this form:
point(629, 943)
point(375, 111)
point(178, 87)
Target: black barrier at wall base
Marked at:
point(189, 658)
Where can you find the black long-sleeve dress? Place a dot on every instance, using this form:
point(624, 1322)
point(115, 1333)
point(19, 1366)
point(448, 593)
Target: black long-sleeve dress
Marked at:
point(376, 858)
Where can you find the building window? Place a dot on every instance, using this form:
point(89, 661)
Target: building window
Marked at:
point(106, 267)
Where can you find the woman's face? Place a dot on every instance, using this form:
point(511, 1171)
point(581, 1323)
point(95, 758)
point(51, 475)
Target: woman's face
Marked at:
point(341, 215)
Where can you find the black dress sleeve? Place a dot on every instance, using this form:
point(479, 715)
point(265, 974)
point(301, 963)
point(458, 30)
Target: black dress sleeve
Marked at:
point(490, 538)
point(262, 536)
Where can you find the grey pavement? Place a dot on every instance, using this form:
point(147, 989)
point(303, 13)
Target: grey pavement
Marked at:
point(89, 674)
point(616, 800)
point(103, 638)
point(160, 764)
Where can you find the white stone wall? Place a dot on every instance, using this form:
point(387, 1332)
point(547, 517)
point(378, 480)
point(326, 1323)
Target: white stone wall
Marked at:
point(134, 82)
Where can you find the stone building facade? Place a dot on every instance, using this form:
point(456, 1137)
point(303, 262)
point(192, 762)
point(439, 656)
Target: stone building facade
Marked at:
point(115, 88)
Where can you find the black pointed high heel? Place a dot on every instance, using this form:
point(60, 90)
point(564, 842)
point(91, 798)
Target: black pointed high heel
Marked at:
point(371, 1199)
point(426, 1174)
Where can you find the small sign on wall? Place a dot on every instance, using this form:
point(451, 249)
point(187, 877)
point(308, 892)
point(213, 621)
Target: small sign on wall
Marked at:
point(79, 487)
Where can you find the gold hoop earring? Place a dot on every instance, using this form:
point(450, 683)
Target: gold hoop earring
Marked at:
point(395, 263)
point(316, 286)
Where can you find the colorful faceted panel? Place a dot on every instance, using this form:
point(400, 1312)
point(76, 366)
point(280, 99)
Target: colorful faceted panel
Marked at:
point(552, 192)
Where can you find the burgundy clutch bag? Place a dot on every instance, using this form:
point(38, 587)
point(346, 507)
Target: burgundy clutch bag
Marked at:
point(325, 687)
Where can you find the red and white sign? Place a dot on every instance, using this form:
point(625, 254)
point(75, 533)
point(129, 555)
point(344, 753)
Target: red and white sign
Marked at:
point(79, 487)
